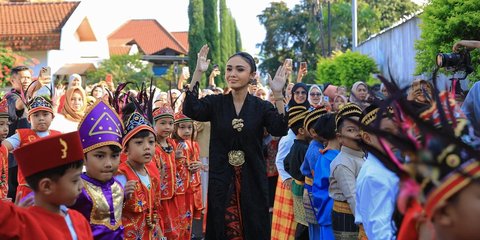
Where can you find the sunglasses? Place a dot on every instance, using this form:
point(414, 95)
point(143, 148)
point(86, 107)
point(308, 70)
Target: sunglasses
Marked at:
point(300, 93)
point(316, 94)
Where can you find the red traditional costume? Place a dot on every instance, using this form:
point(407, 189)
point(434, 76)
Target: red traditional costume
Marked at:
point(37, 222)
point(3, 155)
point(165, 162)
point(140, 216)
point(26, 136)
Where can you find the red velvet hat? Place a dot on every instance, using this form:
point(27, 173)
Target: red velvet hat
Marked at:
point(49, 152)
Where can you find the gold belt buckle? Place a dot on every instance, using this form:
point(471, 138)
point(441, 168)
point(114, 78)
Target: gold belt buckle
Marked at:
point(236, 158)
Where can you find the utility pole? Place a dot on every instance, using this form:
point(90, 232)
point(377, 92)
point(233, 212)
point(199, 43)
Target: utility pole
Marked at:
point(317, 9)
point(329, 26)
point(354, 24)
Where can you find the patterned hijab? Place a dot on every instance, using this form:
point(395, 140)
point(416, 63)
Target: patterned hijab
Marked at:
point(68, 111)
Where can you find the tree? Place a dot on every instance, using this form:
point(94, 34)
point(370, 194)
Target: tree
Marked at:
point(9, 59)
point(238, 39)
point(123, 68)
point(300, 33)
point(444, 22)
point(346, 69)
point(196, 33)
point(211, 29)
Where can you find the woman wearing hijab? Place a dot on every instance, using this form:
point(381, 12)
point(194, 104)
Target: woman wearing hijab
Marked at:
point(72, 112)
point(359, 94)
point(74, 80)
point(315, 96)
point(299, 95)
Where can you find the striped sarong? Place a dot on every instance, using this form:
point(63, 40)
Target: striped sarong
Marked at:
point(343, 222)
point(283, 225)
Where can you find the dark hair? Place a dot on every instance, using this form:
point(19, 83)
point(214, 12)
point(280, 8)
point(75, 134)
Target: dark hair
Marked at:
point(325, 126)
point(248, 58)
point(54, 174)
point(175, 135)
point(141, 134)
point(18, 69)
point(295, 128)
point(93, 89)
point(127, 110)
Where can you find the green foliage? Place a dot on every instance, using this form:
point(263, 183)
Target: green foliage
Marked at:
point(196, 33)
point(9, 59)
point(445, 22)
point(301, 33)
point(238, 39)
point(346, 69)
point(123, 68)
point(211, 29)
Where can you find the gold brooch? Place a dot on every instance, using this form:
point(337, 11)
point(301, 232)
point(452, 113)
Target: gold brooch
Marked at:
point(236, 158)
point(237, 124)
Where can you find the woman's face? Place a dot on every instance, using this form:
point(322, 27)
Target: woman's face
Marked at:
point(238, 73)
point(315, 96)
point(75, 82)
point(97, 92)
point(300, 95)
point(260, 93)
point(361, 92)
point(338, 103)
point(76, 101)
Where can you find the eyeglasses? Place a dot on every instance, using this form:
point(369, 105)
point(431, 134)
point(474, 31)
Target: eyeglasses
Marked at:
point(300, 93)
point(315, 94)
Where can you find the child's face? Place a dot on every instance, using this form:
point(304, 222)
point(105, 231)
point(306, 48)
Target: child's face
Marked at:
point(102, 163)
point(41, 120)
point(349, 134)
point(387, 125)
point(141, 150)
point(67, 188)
point(460, 216)
point(185, 130)
point(164, 127)
point(3, 128)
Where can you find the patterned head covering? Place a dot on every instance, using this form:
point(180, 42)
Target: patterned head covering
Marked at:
point(4, 108)
point(39, 103)
point(296, 115)
point(180, 118)
point(68, 111)
point(162, 112)
point(371, 114)
point(100, 126)
point(134, 124)
point(313, 115)
point(348, 110)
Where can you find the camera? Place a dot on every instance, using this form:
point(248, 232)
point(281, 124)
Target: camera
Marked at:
point(454, 62)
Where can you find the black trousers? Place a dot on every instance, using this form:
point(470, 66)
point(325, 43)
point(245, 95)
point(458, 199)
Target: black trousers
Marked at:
point(12, 182)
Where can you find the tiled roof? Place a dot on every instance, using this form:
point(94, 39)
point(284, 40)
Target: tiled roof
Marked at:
point(182, 38)
point(150, 36)
point(33, 26)
point(119, 46)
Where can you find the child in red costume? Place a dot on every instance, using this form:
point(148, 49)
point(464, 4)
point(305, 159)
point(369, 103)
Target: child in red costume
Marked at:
point(40, 115)
point(3, 149)
point(55, 181)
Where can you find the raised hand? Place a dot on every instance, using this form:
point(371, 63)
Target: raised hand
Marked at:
point(202, 61)
point(279, 81)
point(130, 188)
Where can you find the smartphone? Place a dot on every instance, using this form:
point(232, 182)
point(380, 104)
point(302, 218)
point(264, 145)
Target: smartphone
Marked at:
point(185, 70)
point(109, 78)
point(326, 98)
point(303, 65)
point(45, 72)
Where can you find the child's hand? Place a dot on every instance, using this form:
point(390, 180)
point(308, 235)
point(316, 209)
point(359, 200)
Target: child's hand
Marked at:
point(130, 188)
point(179, 150)
point(194, 167)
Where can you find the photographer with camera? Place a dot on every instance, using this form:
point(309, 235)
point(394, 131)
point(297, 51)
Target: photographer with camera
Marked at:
point(471, 105)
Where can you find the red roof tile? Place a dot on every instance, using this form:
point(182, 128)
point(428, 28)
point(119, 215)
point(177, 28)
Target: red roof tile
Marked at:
point(182, 38)
point(150, 36)
point(33, 26)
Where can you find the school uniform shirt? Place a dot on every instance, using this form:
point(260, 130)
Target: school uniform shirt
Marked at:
point(377, 189)
point(39, 224)
point(284, 146)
